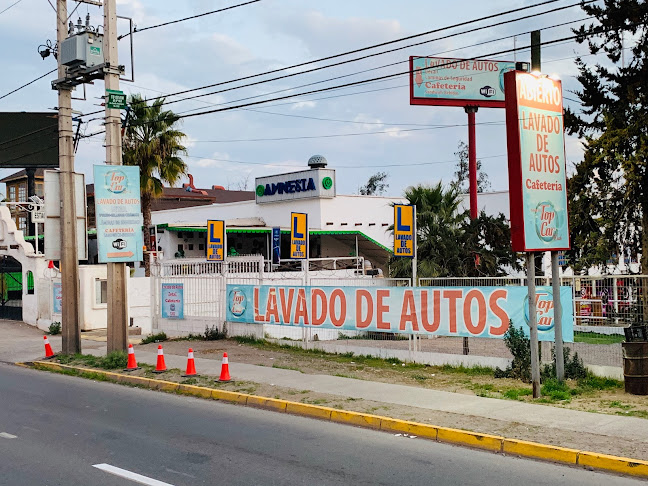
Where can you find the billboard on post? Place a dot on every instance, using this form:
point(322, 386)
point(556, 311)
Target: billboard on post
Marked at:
point(404, 230)
point(536, 160)
point(216, 239)
point(458, 82)
point(298, 236)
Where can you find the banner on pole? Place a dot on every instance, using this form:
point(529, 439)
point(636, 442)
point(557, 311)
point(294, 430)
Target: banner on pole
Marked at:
point(172, 301)
point(276, 245)
point(536, 157)
point(442, 311)
point(216, 241)
point(118, 213)
point(298, 236)
point(404, 231)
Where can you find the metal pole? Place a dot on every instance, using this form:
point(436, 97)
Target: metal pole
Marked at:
point(117, 283)
point(71, 331)
point(472, 160)
point(533, 325)
point(555, 283)
point(535, 50)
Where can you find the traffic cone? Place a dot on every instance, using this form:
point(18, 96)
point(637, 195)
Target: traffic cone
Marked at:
point(191, 365)
point(161, 365)
point(48, 348)
point(225, 376)
point(132, 363)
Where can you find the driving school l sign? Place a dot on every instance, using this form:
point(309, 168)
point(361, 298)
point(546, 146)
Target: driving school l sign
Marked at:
point(536, 157)
point(404, 230)
point(298, 236)
point(216, 239)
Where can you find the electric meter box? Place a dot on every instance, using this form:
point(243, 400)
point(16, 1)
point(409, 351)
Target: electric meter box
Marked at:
point(85, 49)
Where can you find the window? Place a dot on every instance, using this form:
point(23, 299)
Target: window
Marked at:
point(201, 246)
point(190, 236)
point(180, 248)
point(22, 192)
point(39, 189)
point(12, 193)
point(22, 223)
point(190, 247)
point(179, 235)
point(101, 291)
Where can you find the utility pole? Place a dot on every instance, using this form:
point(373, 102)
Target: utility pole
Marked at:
point(71, 332)
point(117, 284)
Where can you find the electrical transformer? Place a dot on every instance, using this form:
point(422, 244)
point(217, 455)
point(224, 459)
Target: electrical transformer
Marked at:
point(84, 49)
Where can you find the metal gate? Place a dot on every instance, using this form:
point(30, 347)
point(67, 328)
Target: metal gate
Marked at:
point(11, 288)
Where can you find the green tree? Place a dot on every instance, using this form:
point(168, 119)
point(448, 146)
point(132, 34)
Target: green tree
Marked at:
point(449, 243)
point(376, 185)
point(608, 193)
point(462, 181)
point(153, 142)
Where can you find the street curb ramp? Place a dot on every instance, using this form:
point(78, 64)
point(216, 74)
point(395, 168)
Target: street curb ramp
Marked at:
point(493, 443)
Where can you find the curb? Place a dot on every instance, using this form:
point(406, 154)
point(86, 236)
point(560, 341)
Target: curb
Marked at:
point(493, 443)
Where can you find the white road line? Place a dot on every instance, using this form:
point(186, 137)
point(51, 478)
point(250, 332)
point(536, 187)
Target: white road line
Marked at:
point(4, 435)
point(123, 473)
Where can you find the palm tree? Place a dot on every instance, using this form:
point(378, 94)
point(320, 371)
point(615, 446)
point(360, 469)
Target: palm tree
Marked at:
point(153, 143)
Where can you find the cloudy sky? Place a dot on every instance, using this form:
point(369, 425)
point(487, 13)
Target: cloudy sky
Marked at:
point(360, 130)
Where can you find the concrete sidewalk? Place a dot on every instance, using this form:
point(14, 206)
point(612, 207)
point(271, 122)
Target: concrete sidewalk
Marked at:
point(17, 343)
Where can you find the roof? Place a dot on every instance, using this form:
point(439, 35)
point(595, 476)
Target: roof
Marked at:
point(22, 174)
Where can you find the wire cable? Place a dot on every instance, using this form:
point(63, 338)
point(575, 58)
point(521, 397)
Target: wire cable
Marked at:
point(12, 5)
point(27, 84)
point(136, 30)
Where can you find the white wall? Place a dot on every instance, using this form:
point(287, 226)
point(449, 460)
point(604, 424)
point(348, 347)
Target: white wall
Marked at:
point(92, 315)
point(139, 302)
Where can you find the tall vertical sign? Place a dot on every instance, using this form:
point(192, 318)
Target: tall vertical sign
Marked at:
point(216, 241)
point(404, 231)
point(276, 246)
point(299, 236)
point(118, 213)
point(536, 158)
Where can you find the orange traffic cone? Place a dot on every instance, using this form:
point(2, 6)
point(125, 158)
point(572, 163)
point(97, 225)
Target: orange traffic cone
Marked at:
point(132, 363)
point(191, 365)
point(161, 365)
point(48, 348)
point(225, 376)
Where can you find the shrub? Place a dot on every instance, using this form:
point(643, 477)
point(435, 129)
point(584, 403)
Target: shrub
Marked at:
point(556, 390)
point(55, 328)
point(519, 346)
point(155, 338)
point(574, 367)
point(213, 334)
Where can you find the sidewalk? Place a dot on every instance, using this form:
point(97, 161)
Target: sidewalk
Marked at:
point(16, 336)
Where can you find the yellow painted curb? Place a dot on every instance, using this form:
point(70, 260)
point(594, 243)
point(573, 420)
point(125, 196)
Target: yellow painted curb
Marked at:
point(228, 396)
point(621, 465)
point(355, 418)
point(420, 430)
point(472, 439)
point(197, 391)
point(539, 451)
point(309, 410)
point(616, 464)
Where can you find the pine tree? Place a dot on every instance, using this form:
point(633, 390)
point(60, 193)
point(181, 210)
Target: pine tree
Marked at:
point(608, 193)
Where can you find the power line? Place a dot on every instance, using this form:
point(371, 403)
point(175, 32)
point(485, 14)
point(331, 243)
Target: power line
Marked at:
point(27, 84)
point(188, 18)
point(12, 5)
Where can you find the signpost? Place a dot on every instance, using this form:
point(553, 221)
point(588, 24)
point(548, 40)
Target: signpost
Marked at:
point(537, 185)
point(118, 213)
point(216, 241)
point(115, 100)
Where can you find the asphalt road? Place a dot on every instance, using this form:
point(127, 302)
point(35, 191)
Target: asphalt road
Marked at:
point(55, 430)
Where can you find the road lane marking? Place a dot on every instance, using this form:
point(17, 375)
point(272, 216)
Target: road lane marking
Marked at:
point(123, 473)
point(4, 435)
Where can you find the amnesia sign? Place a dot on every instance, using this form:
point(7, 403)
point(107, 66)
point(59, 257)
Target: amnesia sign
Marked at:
point(441, 311)
point(536, 158)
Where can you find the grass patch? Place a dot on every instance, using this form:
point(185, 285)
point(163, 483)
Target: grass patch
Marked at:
point(467, 370)
point(112, 361)
point(557, 390)
point(596, 338)
point(517, 393)
point(592, 383)
point(283, 367)
point(155, 338)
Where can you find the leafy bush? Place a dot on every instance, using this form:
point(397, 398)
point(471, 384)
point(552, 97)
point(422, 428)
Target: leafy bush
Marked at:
point(155, 338)
point(574, 367)
point(213, 334)
point(519, 346)
point(557, 390)
point(55, 328)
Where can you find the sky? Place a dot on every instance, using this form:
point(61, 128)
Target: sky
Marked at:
point(360, 130)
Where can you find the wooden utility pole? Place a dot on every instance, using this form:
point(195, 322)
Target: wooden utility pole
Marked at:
point(117, 283)
point(71, 331)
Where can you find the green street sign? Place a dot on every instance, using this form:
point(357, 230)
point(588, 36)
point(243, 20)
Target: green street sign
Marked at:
point(115, 99)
